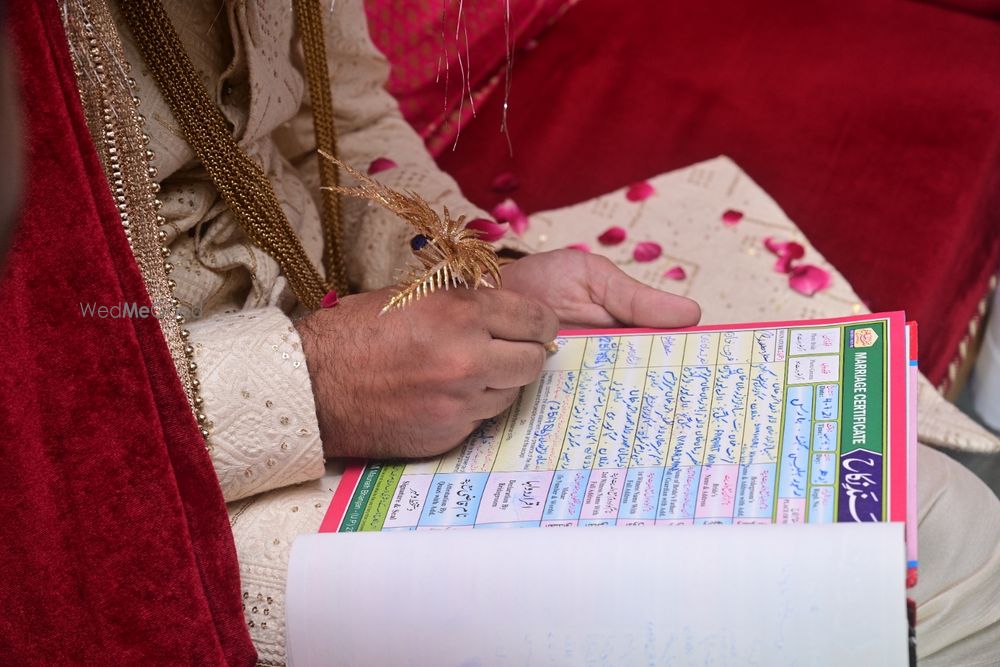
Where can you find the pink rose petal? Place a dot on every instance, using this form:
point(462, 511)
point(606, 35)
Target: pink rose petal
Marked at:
point(639, 191)
point(487, 230)
point(612, 236)
point(508, 211)
point(381, 164)
point(794, 250)
point(785, 248)
point(519, 224)
point(787, 252)
point(808, 279)
point(582, 247)
point(330, 299)
point(505, 183)
point(647, 251)
point(675, 273)
point(772, 245)
point(784, 264)
point(732, 216)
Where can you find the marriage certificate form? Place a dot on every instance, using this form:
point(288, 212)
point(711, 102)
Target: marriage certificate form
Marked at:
point(797, 422)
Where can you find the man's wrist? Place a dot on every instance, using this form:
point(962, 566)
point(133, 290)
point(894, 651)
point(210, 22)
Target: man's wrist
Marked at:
point(312, 350)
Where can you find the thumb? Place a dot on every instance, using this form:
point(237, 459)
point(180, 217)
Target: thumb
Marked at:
point(636, 304)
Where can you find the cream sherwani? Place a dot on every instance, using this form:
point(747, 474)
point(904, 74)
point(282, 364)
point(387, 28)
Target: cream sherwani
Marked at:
point(264, 433)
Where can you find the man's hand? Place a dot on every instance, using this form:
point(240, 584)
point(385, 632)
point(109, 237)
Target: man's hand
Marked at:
point(589, 291)
point(416, 381)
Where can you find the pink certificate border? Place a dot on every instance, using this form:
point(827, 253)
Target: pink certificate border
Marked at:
point(898, 446)
point(342, 496)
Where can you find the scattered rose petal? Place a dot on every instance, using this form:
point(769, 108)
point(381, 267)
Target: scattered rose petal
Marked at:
point(612, 236)
point(639, 191)
point(508, 211)
point(582, 247)
point(773, 246)
point(675, 273)
point(381, 164)
point(330, 299)
point(732, 216)
point(487, 229)
point(808, 279)
point(519, 224)
point(787, 252)
point(784, 264)
point(647, 251)
point(505, 183)
point(785, 248)
point(794, 250)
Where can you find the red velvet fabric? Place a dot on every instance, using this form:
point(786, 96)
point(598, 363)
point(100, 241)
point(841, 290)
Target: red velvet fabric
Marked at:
point(116, 546)
point(989, 8)
point(874, 123)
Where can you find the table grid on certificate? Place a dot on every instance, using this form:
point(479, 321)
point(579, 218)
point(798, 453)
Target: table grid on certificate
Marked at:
point(704, 427)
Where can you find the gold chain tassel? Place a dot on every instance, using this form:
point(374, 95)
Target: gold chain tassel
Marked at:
point(242, 183)
point(310, 19)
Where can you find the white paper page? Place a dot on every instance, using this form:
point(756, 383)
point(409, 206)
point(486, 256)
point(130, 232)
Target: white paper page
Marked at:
point(746, 595)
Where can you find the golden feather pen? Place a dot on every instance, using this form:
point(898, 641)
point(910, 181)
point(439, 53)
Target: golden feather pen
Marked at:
point(448, 254)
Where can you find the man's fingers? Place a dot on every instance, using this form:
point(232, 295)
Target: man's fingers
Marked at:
point(636, 304)
point(512, 365)
point(510, 316)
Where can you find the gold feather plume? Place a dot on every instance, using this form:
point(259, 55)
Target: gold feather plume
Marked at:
point(448, 254)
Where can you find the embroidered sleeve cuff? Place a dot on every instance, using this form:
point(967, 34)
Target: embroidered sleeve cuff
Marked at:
point(258, 401)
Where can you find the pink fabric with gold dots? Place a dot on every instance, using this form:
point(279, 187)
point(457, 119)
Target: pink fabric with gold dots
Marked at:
point(424, 46)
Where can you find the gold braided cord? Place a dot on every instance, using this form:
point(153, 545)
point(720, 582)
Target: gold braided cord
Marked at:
point(310, 22)
point(241, 182)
